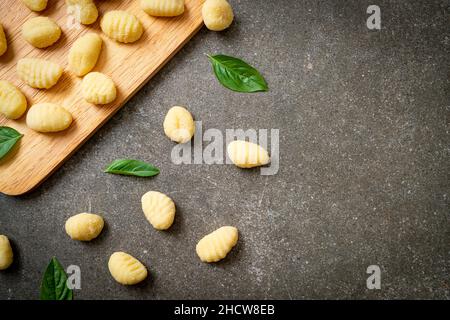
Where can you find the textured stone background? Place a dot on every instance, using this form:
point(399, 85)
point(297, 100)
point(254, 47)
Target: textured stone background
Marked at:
point(364, 119)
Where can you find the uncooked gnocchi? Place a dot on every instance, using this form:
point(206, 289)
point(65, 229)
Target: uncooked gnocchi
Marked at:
point(35, 5)
point(126, 269)
point(179, 125)
point(6, 253)
point(84, 11)
point(84, 226)
point(163, 8)
point(84, 53)
point(12, 101)
point(98, 88)
point(217, 14)
point(121, 26)
point(41, 32)
point(159, 209)
point(3, 42)
point(216, 245)
point(48, 117)
point(245, 154)
point(39, 73)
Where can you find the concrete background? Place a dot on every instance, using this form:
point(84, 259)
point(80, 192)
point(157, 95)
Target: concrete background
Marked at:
point(364, 176)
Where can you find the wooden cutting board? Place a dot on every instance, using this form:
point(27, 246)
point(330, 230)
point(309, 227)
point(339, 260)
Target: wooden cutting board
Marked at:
point(130, 66)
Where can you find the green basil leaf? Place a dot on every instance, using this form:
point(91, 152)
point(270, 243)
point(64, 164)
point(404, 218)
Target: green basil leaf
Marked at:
point(54, 283)
point(237, 75)
point(8, 138)
point(129, 167)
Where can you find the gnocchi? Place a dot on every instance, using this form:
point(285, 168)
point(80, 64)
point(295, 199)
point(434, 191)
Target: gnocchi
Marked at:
point(41, 32)
point(247, 155)
point(39, 73)
point(12, 101)
point(98, 88)
point(163, 8)
point(84, 226)
point(35, 5)
point(126, 269)
point(84, 11)
point(217, 14)
point(179, 125)
point(3, 42)
point(216, 245)
point(121, 26)
point(6, 253)
point(159, 209)
point(48, 117)
point(84, 53)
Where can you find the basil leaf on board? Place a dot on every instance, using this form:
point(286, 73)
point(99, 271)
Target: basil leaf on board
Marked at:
point(129, 167)
point(237, 75)
point(54, 283)
point(8, 138)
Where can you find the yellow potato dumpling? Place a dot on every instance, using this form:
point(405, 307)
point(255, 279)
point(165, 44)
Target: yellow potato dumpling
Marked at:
point(84, 226)
point(126, 269)
point(159, 209)
point(121, 26)
point(41, 32)
point(217, 14)
point(84, 11)
point(163, 8)
point(6, 253)
point(38, 73)
point(84, 53)
point(13, 103)
point(48, 117)
point(98, 88)
point(35, 5)
point(247, 155)
point(179, 125)
point(216, 245)
point(3, 42)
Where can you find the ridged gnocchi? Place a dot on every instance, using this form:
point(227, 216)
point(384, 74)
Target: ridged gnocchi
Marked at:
point(216, 245)
point(3, 42)
point(84, 11)
point(163, 8)
point(6, 253)
point(179, 125)
point(84, 54)
point(126, 269)
point(38, 73)
point(98, 88)
point(41, 32)
point(245, 154)
point(159, 209)
point(48, 117)
point(35, 5)
point(84, 226)
point(217, 14)
point(13, 103)
point(121, 26)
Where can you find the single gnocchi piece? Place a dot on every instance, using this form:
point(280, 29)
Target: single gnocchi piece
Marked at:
point(84, 226)
point(217, 14)
point(98, 88)
point(179, 125)
point(159, 209)
point(6, 253)
point(216, 245)
point(121, 26)
point(163, 8)
point(13, 103)
point(41, 32)
point(38, 73)
point(35, 5)
point(84, 54)
point(3, 42)
point(245, 154)
point(48, 117)
point(84, 11)
point(126, 269)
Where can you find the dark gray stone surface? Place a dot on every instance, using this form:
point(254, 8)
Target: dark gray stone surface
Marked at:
point(364, 176)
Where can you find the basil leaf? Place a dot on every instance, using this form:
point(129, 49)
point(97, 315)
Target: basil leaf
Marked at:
point(8, 138)
point(129, 167)
point(54, 283)
point(237, 75)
